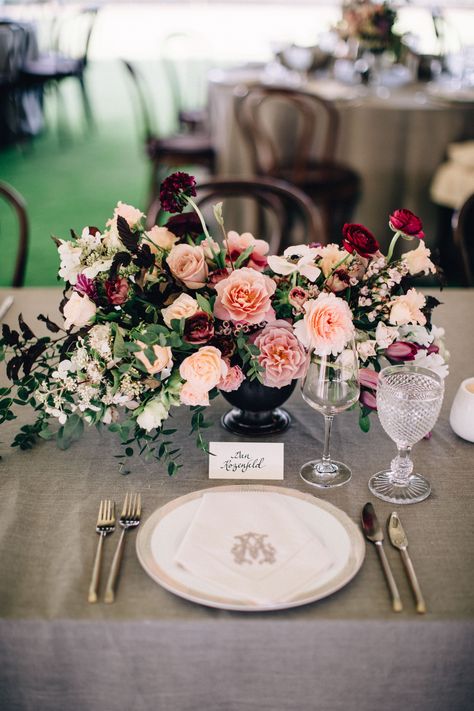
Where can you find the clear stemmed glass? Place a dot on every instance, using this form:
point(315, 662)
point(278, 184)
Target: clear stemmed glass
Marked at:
point(408, 402)
point(331, 385)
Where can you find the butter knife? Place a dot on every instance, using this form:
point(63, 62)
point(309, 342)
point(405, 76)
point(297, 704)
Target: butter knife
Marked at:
point(374, 533)
point(398, 539)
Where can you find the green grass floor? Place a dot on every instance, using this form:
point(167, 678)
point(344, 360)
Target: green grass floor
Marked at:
point(74, 177)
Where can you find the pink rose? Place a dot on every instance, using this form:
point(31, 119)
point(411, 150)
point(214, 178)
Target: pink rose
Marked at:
point(204, 368)
point(245, 297)
point(326, 326)
point(233, 380)
point(159, 238)
point(237, 244)
point(282, 356)
point(163, 358)
point(192, 396)
point(187, 264)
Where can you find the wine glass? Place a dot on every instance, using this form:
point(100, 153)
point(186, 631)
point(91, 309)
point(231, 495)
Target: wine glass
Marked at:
point(408, 402)
point(331, 385)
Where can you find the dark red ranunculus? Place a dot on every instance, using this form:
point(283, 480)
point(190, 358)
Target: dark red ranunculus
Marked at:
point(93, 231)
point(117, 291)
point(198, 328)
point(225, 344)
point(357, 238)
point(187, 223)
point(407, 223)
point(174, 190)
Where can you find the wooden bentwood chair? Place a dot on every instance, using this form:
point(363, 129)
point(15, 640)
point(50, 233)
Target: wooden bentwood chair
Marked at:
point(16, 201)
point(274, 198)
point(313, 123)
point(464, 240)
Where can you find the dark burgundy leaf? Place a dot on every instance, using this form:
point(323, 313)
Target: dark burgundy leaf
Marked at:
point(74, 234)
point(431, 303)
point(32, 354)
point(144, 257)
point(50, 325)
point(120, 259)
point(10, 337)
point(25, 329)
point(128, 238)
point(13, 366)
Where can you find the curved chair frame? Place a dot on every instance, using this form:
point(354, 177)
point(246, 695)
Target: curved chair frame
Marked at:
point(463, 238)
point(18, 204)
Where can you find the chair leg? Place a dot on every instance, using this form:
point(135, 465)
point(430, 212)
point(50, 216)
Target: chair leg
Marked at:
point(86, 103)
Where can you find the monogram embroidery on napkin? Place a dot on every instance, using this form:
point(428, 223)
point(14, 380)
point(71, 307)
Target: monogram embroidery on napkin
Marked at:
point(252, 548)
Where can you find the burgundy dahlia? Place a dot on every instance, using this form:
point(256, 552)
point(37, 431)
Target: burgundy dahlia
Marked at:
point(187, 223)
point(117, 291)
point(357, 238)
point(174, 191)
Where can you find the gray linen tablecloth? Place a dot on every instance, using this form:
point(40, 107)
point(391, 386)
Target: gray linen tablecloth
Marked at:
point(154, 650)
point(395, 143)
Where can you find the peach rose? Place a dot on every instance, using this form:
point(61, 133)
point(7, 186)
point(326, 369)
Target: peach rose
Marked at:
point(281, 354)
point(237, 244)
point(187, 264)
point(191, 395)
point(245, 296)
point(159, 237)
point(326, 326)
point(78, 311)
point(163, 358)
point(203, 369)
point(184, 307)
point(407, 309)
point(233, 380)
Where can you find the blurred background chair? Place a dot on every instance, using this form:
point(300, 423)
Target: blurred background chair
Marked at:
point(464, 241)
point(16, 202)
point(166, 153)
point(274, 200)
point(310, 126)
point(66, 58)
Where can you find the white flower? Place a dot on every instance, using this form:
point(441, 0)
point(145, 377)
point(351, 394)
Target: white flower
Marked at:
point(418, 260)
point(99, 338)
point(298, 258)
point(78, 311)
point(433, 361)
point(366, 349)
point(102, 265)
point(407, 308)
point(89, 240)
point(70, 256)
point(415, 334)
point(152, 415)
point(385, 335)
point(331, 255)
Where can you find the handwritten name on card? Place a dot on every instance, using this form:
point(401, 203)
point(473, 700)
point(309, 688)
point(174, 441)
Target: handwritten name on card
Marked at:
point(246, 460)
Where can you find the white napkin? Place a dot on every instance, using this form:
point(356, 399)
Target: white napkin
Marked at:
point(252, 546)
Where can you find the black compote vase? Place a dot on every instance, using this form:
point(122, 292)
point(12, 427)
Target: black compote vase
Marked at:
point(256, 409)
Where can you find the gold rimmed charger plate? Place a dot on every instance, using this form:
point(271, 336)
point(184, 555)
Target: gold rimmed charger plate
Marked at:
point(161, 535)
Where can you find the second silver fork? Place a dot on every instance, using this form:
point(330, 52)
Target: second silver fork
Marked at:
point(129, 518)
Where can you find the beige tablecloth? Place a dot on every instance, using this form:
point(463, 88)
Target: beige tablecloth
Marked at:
point(154, 650)
point(395, 143)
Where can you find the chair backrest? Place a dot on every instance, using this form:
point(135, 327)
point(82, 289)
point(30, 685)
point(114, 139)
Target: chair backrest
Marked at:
point(277, 197)
point(310, 119)
point(74, 31)
point(16, 201)
point(142, 101)
point(464, 240)
point(13, 48)
point(186, 63)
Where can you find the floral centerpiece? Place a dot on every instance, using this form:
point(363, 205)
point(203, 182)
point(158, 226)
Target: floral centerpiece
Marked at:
point(371, 23)
point(164, 317)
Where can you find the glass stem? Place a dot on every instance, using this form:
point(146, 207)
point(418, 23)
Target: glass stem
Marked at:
point(327, 437)
point(401, 466)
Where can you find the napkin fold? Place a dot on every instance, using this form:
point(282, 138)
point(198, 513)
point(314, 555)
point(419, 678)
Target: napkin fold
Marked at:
point(252, 546)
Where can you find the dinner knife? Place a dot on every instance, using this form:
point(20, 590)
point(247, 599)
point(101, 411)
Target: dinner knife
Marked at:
point(5, 306)
point(398, 539)
point(374, 533)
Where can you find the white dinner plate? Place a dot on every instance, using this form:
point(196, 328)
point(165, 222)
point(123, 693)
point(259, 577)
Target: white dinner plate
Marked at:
point(161, 535)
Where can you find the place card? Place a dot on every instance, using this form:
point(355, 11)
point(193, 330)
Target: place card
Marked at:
point(246, 460)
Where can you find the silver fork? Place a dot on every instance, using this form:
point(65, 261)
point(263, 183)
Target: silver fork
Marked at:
point(129, 518)
point(105, 525)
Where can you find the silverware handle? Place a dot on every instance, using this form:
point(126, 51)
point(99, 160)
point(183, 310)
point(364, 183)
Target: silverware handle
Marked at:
point(92, 596)
point(420, 601)
point(392, 585)
point(114, 569)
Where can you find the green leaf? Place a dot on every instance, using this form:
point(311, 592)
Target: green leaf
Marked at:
point(364, 422)
point(70, 432)
point(204, 304)
point(243, 257)
point(120, 351)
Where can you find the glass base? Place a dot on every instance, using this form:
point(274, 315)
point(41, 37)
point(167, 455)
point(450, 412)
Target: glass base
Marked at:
point(325, 475)
point(416, 489)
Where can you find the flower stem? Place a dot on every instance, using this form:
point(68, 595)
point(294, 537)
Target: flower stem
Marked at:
point(392, 246)
point(200, 215)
